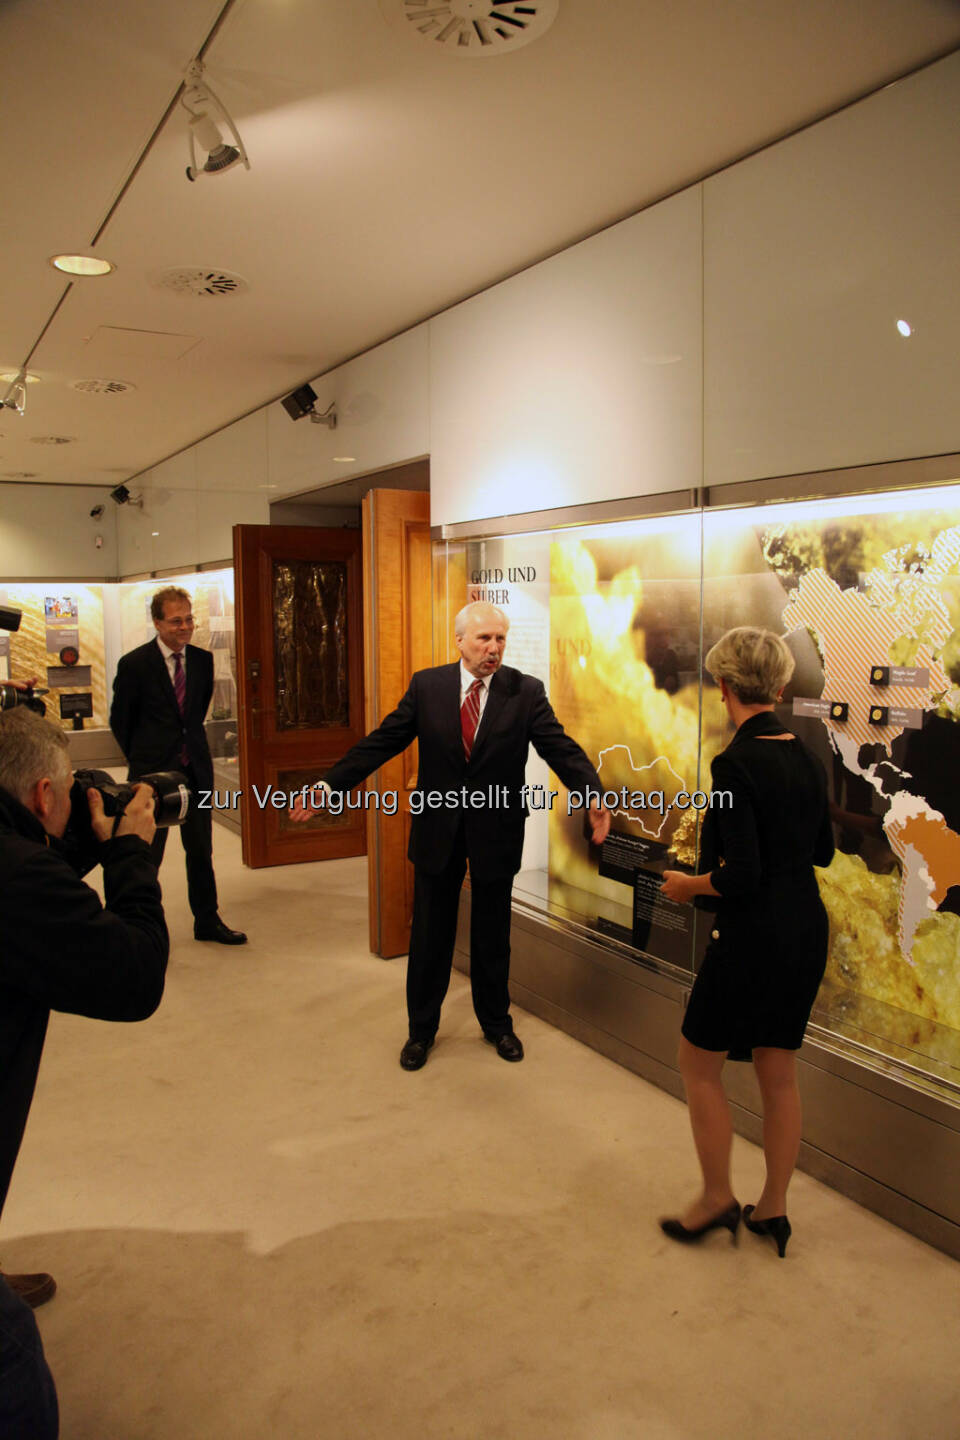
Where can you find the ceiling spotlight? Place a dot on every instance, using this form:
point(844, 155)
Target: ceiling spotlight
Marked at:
point(202, 105)
point(82, 264)
point(303, 402)
point(16, 396)
point(96, 512)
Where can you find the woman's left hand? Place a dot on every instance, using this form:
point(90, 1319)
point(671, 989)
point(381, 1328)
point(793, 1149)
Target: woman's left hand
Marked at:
point(677, 886)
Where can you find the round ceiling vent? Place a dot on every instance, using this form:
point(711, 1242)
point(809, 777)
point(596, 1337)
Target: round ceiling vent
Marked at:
point(102, 387)
point(52, 439)
point(471, 29)
point(203, 283)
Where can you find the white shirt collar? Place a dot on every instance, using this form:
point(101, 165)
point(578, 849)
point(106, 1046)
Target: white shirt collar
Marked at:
point(168, 654)
point(466, 679)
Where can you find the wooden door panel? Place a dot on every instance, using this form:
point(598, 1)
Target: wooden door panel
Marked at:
point(398, 610)
point(300, 680)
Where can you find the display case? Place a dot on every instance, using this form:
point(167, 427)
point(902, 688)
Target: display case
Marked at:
point(71, 636)
point(615, 618)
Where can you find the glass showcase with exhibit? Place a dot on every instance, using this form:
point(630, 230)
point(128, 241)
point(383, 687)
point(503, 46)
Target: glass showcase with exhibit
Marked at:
point(615, 619)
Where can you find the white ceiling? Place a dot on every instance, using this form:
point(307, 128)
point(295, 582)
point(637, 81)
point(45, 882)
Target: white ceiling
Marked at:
point(389, 179)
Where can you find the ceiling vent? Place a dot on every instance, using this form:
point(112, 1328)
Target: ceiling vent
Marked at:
point(471, 29)
point(202, 283)
point(102, 387)
point(52, 439)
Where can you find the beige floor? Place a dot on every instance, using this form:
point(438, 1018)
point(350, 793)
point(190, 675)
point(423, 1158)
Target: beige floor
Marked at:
point(261, 1225)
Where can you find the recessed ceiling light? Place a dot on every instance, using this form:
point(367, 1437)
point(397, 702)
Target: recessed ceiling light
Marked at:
point(344, 459)
point(154, 534)
point(82, 264)
point(904, 327)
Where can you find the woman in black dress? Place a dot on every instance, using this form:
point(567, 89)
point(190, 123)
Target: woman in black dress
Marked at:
point(759, 978)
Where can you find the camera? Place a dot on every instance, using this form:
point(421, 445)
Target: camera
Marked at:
point(171, 795)
point(11, 695)
point(79, 845)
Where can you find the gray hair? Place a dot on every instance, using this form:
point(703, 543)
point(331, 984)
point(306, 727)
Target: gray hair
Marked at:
point(464, 616)
point(756, 664)
point(31, 749)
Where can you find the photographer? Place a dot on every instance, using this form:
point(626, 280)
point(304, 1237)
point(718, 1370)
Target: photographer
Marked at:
point(62, 950)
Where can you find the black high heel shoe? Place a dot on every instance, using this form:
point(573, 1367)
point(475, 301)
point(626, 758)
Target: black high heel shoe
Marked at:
point(728, 1219)
point(776, 1226)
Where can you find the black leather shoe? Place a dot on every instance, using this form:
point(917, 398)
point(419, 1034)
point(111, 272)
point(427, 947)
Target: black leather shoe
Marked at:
point(34, 1289)
point(508, 1046)
point(413, 1056)
point(216, 930)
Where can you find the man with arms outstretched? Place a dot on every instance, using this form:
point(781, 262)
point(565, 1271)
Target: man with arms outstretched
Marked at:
point(474, 722)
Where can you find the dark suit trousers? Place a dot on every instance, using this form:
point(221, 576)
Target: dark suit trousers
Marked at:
point(196, 833)
point(436, 901)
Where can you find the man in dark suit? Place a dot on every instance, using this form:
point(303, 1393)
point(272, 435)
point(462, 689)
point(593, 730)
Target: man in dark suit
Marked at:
point(161, 695)
point(474, 722)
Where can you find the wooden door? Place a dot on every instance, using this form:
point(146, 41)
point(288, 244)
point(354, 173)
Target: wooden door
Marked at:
point(299, 606)
point(397, 641)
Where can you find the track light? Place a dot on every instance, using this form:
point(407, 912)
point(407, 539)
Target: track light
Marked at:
point(201, 104)
point(16, 396)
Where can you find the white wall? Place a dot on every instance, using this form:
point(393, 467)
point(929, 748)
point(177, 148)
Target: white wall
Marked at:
point(577, 380)
point(46, 532)
point(812, 251)
point(742, 328)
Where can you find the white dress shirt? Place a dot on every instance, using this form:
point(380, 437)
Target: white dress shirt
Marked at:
point(168, 655)
point(466, 680)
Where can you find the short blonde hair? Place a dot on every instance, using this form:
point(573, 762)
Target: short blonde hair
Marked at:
point(756, 664)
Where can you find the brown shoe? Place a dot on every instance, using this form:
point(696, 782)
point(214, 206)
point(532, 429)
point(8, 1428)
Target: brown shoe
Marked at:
point(34, 1289)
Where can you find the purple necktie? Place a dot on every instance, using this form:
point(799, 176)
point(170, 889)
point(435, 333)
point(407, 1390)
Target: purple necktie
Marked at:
point(470, 716)
point(179, 681)
point(180, 691)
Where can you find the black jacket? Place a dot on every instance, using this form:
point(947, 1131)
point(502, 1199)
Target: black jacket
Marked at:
point(61, 950)
point(517, 715)
point(146, 720)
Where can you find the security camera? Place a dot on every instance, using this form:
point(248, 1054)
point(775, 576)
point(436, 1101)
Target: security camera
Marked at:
point(121, 495)
point(96, 512)
point(303, 402)
point(300, 403)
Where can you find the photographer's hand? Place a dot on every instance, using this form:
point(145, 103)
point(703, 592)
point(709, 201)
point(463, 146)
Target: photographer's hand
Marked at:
point(137, 819)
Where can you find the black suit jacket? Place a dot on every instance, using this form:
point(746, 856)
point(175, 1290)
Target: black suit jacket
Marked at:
point(145, 717)
point(517, 714)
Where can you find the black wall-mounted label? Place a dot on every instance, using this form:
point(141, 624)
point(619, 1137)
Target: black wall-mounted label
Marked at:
point(661, 927)
point(622, 854)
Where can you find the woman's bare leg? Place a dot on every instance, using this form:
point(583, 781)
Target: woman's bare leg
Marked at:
point(777, 1076)
point(712, 1129)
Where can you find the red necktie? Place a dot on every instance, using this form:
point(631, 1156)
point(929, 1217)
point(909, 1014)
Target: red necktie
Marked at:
point(470, 716)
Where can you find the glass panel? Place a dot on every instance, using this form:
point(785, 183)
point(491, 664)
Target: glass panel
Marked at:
point(867, 593)
point(866, 589)
point(310, 644)
point(608, 617)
